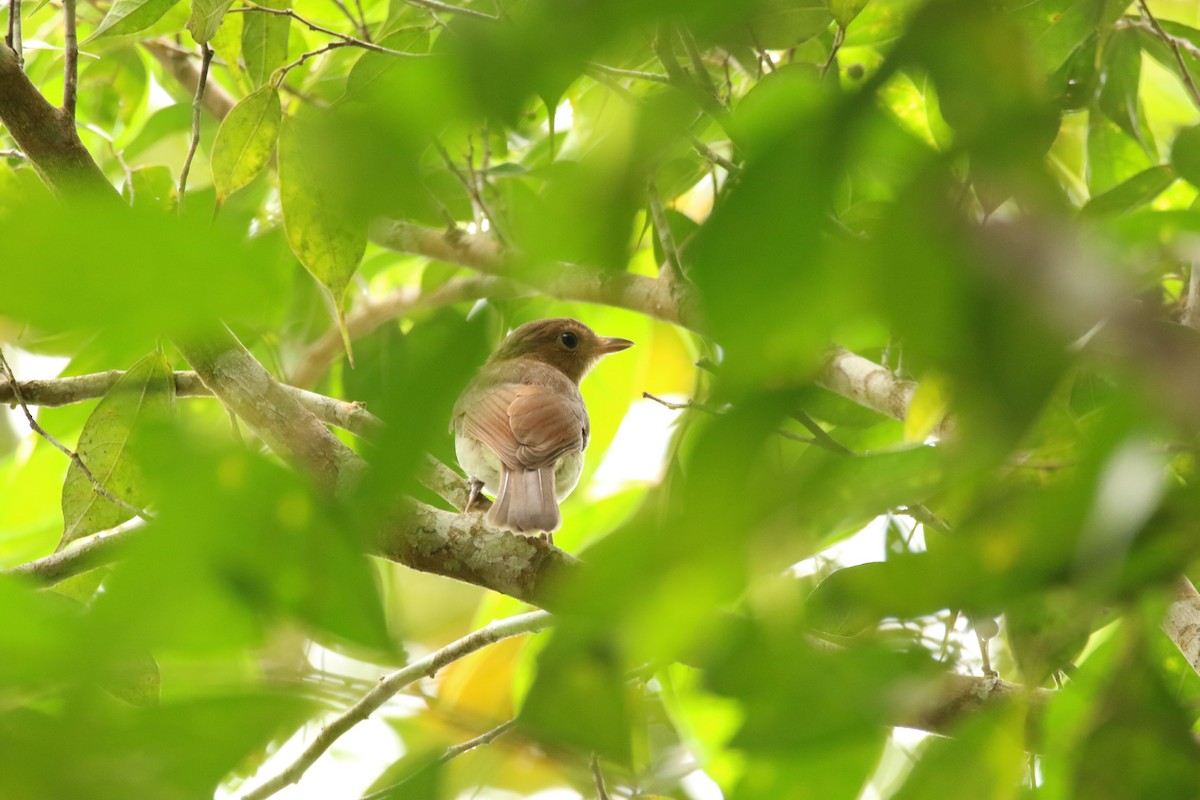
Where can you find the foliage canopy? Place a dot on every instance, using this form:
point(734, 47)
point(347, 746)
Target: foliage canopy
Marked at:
point(925, 268)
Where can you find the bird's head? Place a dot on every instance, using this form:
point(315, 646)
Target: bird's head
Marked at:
point(566, 344)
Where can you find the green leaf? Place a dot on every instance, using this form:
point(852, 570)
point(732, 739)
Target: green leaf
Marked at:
point(145, 394)
point(265, 41)
point(322, 233)
point(1112, 156)
point(206, 18)
point(1058, 27)
point(131, 16)
point(1185, 154)
point(786, 23)
point(226, 42)
point(1133, 193)
point(245, 141)
point(1120, 79)
point(984, 759)
point(844, 11)
point(1140, 742)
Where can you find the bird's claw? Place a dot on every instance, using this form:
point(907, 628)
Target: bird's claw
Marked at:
point(473, 495)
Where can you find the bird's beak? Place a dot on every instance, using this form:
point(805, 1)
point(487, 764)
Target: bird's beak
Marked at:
point(611, 344)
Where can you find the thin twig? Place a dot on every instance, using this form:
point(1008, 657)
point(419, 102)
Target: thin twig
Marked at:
point(598, 777)
point(698, 66)
point(821, 435)
point(362, 15)
point(393, 683)
point(278, 76)
point(594, 66)
point(349, 40)
point(672, 268)
point(838, 38)
point(446, 8)
point(206, 56)
point(12, 154)
point(70, 59)
point(360, 26)
point(712, 155)
point(14, 39)
point(97, 487)
point(1174, 45)
point(679, 406)
point(472, 190)
point(450, 753)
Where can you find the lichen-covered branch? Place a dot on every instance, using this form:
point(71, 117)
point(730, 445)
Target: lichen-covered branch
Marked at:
point(274, 414)
point(1182, 621)
point(462, 547)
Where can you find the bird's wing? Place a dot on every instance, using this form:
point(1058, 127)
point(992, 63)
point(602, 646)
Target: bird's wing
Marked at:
point(526, 425)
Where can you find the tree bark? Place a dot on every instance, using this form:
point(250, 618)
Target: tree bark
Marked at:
point(47, 135)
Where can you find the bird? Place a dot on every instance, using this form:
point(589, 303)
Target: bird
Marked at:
point(520, 426)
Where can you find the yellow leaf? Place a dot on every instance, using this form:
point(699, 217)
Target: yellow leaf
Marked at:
point(927, 409)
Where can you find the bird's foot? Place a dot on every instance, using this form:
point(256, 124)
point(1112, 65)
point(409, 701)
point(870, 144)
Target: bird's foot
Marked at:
point(473, 495)
point(548, 538)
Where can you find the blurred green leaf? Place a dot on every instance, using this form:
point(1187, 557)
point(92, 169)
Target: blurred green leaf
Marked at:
point(780, 24)
point(325, 238)
point(193, 745)
point(1112, 156)
point(1138, 721)
point(246, 140)
point(412, 382)
point(1058, 27)
point(1185, 154)
point(986, 759)
point(152, 187)
point(1139, 190)
point(238, 544)
point(123, 286)
point(580, 698)
point(143, 397)
point(1119, 98)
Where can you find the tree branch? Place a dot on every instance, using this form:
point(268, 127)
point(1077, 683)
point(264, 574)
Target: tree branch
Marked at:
point(399, 303)
point(274, 414)
point(180, 65)
point(565, 282)
point(46, 135)
point(86, 554)
point(371, 702)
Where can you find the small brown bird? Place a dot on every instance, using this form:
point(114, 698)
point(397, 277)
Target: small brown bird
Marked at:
point(520, 426)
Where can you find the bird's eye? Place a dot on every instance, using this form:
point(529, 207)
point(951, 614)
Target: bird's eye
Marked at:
point(570, 340)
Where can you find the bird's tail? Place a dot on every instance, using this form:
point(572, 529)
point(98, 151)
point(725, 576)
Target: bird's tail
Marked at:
point(526, 501)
